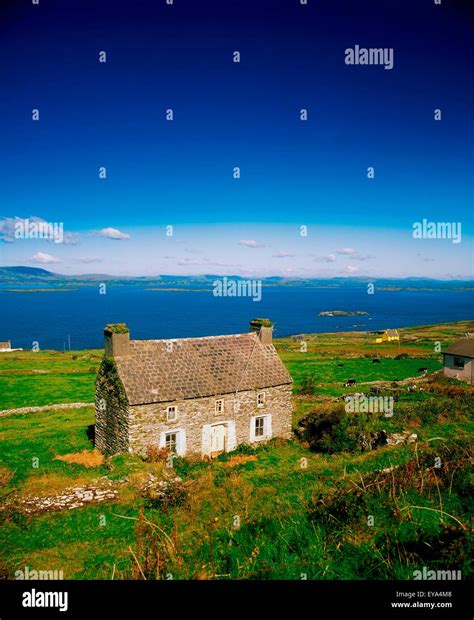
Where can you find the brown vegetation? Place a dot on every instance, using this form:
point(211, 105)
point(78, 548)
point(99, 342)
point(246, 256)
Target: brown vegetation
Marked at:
point(88, 458)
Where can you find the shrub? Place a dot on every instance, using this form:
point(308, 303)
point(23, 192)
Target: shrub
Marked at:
point(308, 385)
point(328, 431)
point(5, 476)
point(165, 495)
point(157, 455)
point(243, 448)
point(116, 328)
point(261, 323)
point(439, 384)
point(190, 466)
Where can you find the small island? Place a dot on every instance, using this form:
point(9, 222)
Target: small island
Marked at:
point(343, 313)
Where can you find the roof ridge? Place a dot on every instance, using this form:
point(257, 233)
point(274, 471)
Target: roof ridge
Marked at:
point(251, 334)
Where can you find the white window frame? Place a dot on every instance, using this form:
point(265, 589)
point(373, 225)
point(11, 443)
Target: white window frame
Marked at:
point(175, 417)
point(176, 440)
point(180, 440)
point(267, 428)
point(221, 401)
point(259, 426)
point(263, 395)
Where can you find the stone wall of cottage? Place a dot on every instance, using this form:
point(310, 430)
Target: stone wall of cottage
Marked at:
point(111, 411)
point(148, 423)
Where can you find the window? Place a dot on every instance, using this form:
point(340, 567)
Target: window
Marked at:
point(259, 427)
point(171, 441)
point(174, 440)
point(458, 362)
point(219, 406)
point(260, 399)
point(172, 413)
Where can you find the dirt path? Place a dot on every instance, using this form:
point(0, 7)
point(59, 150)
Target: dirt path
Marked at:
point(4, 412)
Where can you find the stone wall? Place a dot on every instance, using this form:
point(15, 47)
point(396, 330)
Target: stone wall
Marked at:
point(111, 411)
point(72, 497)
point(5, 412)
point(148, 423)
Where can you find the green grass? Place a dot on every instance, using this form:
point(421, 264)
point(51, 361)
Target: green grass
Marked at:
point(73, 541)
point(41, 390)
point(29, 379)
point(295, 517)
point(42, 436)
point(301, 513)
point(50, 361)
point(330, 377)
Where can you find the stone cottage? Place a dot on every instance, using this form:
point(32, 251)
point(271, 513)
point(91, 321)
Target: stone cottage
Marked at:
point(199, 396)
point(458, 360)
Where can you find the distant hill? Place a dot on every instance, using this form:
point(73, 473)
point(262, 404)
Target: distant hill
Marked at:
point(34, 276)
point(26, 274)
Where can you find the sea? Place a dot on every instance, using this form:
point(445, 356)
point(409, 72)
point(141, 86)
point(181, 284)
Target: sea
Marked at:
point(75, 319)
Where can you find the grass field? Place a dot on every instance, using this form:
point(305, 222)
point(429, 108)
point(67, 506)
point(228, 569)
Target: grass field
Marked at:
point(300, 514)
point(29, 378)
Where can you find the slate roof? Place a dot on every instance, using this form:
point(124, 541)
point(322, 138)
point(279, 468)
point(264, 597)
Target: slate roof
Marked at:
point(464, 347)
point(198, 367)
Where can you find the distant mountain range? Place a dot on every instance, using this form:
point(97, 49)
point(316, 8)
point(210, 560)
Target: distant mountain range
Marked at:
point(32, 277)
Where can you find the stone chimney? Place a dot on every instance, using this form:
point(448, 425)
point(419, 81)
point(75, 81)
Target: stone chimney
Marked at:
point(117, 340)
point(264, 329)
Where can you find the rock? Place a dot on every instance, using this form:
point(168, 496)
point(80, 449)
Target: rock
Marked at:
point(394, 439)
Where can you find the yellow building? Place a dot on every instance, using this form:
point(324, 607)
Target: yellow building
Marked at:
point(387, 336)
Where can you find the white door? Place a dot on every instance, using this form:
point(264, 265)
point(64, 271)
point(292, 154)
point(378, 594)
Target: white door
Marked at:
point(218, 439)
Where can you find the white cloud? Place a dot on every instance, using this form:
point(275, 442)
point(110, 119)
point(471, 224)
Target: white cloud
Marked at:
point(346, 251)
point(71, 238)
point(329, 258)
point(113, 233)
point(7, 229)
point(352, 269)
point(8, 224)
point(45, 259)
point(282, 254)
point(353, 254)
point(251, 243)
point(362, 257)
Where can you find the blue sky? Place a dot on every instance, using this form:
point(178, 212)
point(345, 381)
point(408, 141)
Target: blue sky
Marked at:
point(226, 114)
